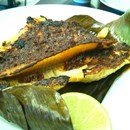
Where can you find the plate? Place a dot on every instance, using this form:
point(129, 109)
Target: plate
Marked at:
point(14, 19)
point(121, 5)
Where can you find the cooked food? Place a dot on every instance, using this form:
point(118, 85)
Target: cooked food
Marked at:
point(86, 67)
point(45, 42)
point(24, 80)
point(47, 55)
point(35, 108)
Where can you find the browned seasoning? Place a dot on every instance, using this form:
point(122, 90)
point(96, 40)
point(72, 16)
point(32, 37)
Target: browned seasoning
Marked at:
point(45, 39)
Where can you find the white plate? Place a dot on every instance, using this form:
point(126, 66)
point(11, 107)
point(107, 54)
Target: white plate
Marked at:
point(121, 5)
point(14, 19)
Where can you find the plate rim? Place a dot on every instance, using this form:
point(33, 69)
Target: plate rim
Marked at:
point(111, 6)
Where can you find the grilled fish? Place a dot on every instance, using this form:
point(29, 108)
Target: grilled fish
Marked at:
point(43, 42)
point(86, 67)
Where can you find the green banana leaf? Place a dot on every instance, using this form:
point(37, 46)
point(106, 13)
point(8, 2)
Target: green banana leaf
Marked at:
point(120, 28)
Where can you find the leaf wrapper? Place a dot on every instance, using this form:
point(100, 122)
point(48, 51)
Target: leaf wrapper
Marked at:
point(43, 108)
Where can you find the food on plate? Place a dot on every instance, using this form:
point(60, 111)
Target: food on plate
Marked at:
point(45, 42)
point(86, 67)
point(97, 64)
point(45, 56)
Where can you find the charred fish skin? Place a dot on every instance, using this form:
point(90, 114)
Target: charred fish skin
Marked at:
point(53, 82)
point(39, 108)
point(45, 42)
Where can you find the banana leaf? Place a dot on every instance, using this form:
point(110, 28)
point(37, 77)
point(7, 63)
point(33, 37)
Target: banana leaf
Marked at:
point(35, 108)
point(120, 28)
point(93, 26)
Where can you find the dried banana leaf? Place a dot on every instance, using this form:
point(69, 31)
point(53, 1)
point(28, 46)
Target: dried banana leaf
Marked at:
point(41, 108)
point(43, 42)
point(93, 26)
